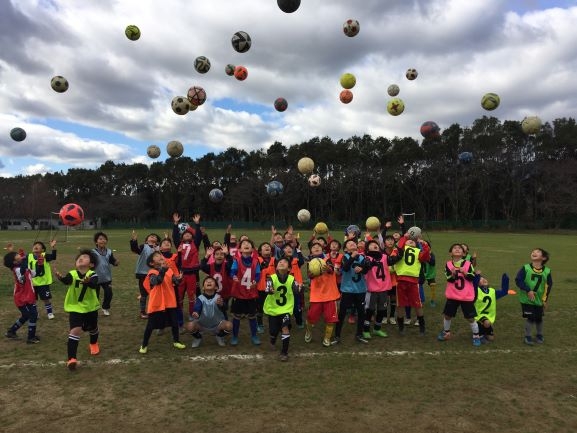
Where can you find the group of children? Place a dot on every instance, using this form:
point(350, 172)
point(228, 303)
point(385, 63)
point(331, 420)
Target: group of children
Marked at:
point(374, 280)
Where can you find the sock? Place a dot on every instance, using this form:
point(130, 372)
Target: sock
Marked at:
point(259, 320)
point(48, 308)
point(401, 323)
point(94, 336)
point(408, 312)
point(72, 346)
point(31, 330)
point(146, 338)
point(393, 308)
point(433, 287)
point(285, 338)
point(422, 293)
point(475, 328)
point(367, 326)
point(179, 317)
point(273, 339)
point(197, 334)
point(142, 302)
point(539, 327)
point(16, 326)
point(446, 325)
point(528, 328)
point(329, 330)
point(235, 326)
point(309, 327)
point(421, 320)
point(381, 314)
point(175, 334)
point(253, 326)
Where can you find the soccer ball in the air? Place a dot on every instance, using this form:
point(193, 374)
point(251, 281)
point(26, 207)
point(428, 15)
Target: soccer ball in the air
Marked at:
point(215, 195)
point(241, 42)
point(304, 216)
point(466, 157)
point(202, 64)
point(229, 70)
point(316, 267)
point(321, 228)
point(240, 73)
point(306, 165)
point(430, 129)
point(196, 95)
point(490, 101)
point(182, 227)
point(351, 28)
point(372, 223)
point(274, 188)
point(411, 74)
point(280, 104)
point(153, 151)
point(393, 90)
point(414, 233)
point(17, 134)
point(132, 32)
point(174, 148)
point(346, 96)
point(348, 80)
point(395, 106)
point(180, 105)
point(314, 180)
point(71, 214)
point(59, 84)
point(531, 125)
point(288, 6)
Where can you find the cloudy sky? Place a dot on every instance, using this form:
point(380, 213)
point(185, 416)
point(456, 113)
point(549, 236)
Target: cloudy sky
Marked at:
point(120, 91)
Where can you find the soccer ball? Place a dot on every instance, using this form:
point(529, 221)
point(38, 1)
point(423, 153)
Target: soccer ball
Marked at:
point(180, 105)
point(354, 229)
point(414, 233)
point(182, 227)
point(241, 42)
point(196, 95)
point(321, 228)
point(59, 84)
point(411, 74)
point(240, 73)
point(202, 64)
point(71, 214)
point(288, 6)
point(430, 129)
point(346, 96)
point(314, 180)
point(372, 223)
point(306, 165)
point(229, 69)
point(153, 151)
point(531, 125)
point(17, 134)
point(393, 90)
point(490, 101)
point(132, 32)
point(351, 28)
point(316, 267)
point(280, 104)
point(348, 80)
point(466, 157)
point(304, 216)
point(274, 188)
point(395, 106)
point(215, 195)
point(174, 148)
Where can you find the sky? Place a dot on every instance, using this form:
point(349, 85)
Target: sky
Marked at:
point(119, 100)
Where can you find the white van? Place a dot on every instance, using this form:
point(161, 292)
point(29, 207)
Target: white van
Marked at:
point(16, 225)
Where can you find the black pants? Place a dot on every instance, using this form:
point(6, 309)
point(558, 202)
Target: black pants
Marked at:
point(349, 300)
point(107, 289)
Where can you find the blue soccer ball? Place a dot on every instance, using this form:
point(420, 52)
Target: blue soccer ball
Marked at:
point(274, 188)
point(466, 157)
point(215, 195)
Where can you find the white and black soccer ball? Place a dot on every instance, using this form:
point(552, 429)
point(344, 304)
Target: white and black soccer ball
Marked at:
point(241, 42)
point(202, 64)
point(314, 180)
point(351, 28)
point(180, 105)
point(414, 233)
point(411, 74)
point(182, 227)
point(59, 84)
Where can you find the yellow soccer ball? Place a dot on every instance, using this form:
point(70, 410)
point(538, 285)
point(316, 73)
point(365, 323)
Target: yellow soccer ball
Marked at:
point(321, 228)
point(373, 223)
point(317, 267)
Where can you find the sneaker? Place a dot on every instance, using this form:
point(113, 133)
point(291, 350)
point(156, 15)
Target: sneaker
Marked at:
point(361, 339)
point(234, 341)
point(71, 364)
point(444, 335)
point(260, 329)
point(106, 312)
point(352, 319)
point(283, 357)
point(308, 336)
point(50, 316)
point(336, 340)
point(143, 316)
point(528, 340)
point(393, 321)
point(407, 320)
point(220, 341)
point(380, 333)
point(476, 341)
point(416, 323)
point(196, 342)
point(367, 335)
point(178, 345)
point(255, 340)
point(33, 340)
point(94, 349)
point(143, 350)
point(384, 321)
point(326, 343)
point(539, 339)
point(433, 304)
point(11, 334)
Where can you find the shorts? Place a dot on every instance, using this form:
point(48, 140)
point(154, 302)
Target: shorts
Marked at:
point(43, 292)
point(328, 309)
point(242, 307)
point(162, 319)
point(86, 321)
point(408, 294)
point(532, 312)
point(376, 301)
point(212, 330)
point(468, 308)
point(276, 323)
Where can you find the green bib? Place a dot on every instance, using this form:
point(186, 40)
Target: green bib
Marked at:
point(537, 282)
point(486, 305)
point(409, 265)
point(282, 300)
point(45, 279)
point(80, 298)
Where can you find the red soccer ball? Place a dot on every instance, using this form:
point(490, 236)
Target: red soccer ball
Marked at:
point(346, 96)
point(280, 104)
point(71, 214)
point(240, 73)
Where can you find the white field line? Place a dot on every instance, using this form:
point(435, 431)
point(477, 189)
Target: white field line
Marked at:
point(260, 357)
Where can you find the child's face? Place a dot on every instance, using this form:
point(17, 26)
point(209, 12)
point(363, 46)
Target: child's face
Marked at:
point(288, 250)
point(411, 243)
point(373, 247)
point(323, 242)
point(351, 246)
point(396, 236)
point(278, 241)
point(457, 252)
point(216, 244)
point(165, 246)
point(37, 249)
point(158, 261)
point(265, 250)
point(316, 250)
point(219, 256)
point(389, 242)
point(282, 266)
point(18, 259)
point(209, 286)
point(483, 282)
point(83, 262)
point(245, 248)
point(187, 237)
point(537, 255)
point(361, 245)
point(151, 240)
point(334, 246)
point(232, 240)
point(101, 241)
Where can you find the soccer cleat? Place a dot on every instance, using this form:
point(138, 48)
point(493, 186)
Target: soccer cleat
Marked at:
point(178, 345)
point(326, 343)
point(11, 334)
point(33, 340)
point(106, 312)
point(255, 340)
point(94, 349)
point(50, 316)
point(336, 340)
point(416, 323)
point(143, 315)
point(352, 319)
point(393, 321)
point(308, 336)
point(476, 341)
point(407, 320)
point(234, 341)
point(380, 333)
point(283, 357)
point(143, 350)
point(196, 342)
point(71, 364)
point(528, 340)
point(539, 339)
point(367, 335)
point(220, 341)
point(260, 329)
point(444, 335)
point(361, 339)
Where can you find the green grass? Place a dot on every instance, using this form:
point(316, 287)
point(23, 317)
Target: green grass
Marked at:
point(394, 384)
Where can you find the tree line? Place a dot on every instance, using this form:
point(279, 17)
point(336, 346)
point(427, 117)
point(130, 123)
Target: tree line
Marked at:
point(527, 181)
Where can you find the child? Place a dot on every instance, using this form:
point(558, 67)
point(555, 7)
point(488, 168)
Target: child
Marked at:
point(42, 282)
point(104, 270)
point(429, 275)
point(267, 267)
point(296, 261)
point(245, 273)
point(24, 296)
point(460, 292)
point(390, 249)
point(486, 305)
point(281, 288)
point(535, 281)
point(161, 310)
point(207, 315)
point(144, 251)
point(82, 304)
point(219, 269)
point(323, 297)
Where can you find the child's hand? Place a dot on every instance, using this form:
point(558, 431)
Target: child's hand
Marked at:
point(401, 219)
point(272, 230)
point(179, 249)
point(388, 225)
point(219, 302)
point(531, 295)
point(358, 269)
point(52, 243)
point(196, 218)
point(228, 228)
point(9, 247)
point(289, 229)
point(58, 275)
point(195, 315)
point(175, 218)
point(133, 235)
point(209, 252)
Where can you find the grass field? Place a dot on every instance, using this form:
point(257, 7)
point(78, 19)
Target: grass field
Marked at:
point(400, 384)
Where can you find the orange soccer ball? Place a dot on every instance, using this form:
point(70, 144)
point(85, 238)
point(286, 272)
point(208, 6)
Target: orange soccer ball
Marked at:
point(71, 214)
point(240, 73)
point(346, 96)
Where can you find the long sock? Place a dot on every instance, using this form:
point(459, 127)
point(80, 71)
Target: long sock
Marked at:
point(528, 328)
point(401, 323)
point(422, 293)
point(309, 327)
point(421, 320)
point(433, 287)
point(16, 326)
point(253, 326)
point(94, 336)
point(367, 321)
point(235, 326)
point(259, 320)
point(285, 338)
point(31, 330)
point(474, 328)
point(48, 308)
point(143, 304)
point(539, 326)
point(381, 314)
point(408, 312)
point(72, 346)
point(393, 308)
point(146, 338)
point(329, 327)
point(273, 339)
point(446, 324)
point(179, 317)
point(175, 333)
point(32, 322)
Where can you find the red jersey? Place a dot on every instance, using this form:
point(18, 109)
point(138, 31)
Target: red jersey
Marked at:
point(188, 257)
point(223, 280)
point(24, 293)
point(242, 289)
